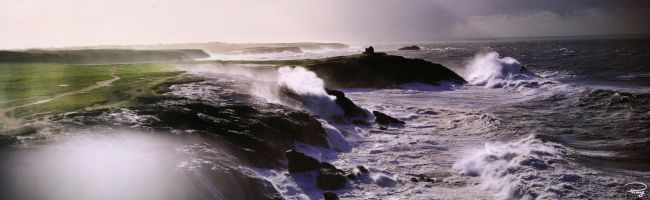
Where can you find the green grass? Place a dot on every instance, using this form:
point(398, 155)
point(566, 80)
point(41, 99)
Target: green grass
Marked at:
point(28, 83)
point(100, 56)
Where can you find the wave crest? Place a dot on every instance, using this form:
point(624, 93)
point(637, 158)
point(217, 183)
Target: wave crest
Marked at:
point(310, 89)
point(510, 169)
point(489, 70)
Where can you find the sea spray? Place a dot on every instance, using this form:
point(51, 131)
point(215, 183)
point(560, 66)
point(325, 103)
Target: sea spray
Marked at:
point(489, 70)
point(262, 86)
point(310, 89)
point(505, 167)
point(335, 139)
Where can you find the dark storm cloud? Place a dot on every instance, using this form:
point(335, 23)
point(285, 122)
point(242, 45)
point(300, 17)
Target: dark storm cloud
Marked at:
point(386, 20)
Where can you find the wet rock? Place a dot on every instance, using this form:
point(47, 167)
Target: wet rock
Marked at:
point(423, 178)
point(351, 176)
point(299, 162)
point(350, 109)
point(231, 182)
point(330, 196)
point(328, 166)
point(256, 132)
point(383, 119)
point(380, 71)
point(375, 151)
point(249, 130)
point(411, 48)
point(330, 179)
point(362, 169)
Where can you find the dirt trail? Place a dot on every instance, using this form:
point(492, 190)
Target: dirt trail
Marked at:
point(9, 123)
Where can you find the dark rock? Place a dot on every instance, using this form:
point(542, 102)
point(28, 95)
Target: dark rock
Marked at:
point(350, 109)
point(412, 48)
point(328, 166)
point(380, 71)
point(330, 196)
point(351, 176)
point(232, 182)
point(383, 119)
point(258, 133)
point(299, 162)
point(243, 129)
point(362, 169)
point(330, 179)
point(413, 179)
point(360, 122)
point(383, 128)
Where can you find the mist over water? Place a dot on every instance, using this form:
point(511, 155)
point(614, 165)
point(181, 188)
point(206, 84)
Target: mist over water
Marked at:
point(275, 83)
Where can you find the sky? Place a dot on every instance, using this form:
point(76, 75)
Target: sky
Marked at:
point(59, 23)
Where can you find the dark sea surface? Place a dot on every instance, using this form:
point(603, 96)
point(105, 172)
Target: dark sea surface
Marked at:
point(600, 104)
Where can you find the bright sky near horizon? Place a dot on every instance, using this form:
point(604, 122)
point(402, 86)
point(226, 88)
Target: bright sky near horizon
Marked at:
point(58, 23)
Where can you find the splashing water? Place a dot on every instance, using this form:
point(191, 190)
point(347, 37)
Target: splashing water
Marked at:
point(504, 167)
point(493, 72)
point(310, 89)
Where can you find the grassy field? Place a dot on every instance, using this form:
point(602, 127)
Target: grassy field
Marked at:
point(24, 87)
point(25, 83)
point(100, 56)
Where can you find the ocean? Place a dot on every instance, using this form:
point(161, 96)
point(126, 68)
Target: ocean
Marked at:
point(548, 118)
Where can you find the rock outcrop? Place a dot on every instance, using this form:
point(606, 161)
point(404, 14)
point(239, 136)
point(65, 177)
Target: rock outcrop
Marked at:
point(299, 162)
point(379, 70)
point(258, 133)
point(330, 178)
point(330, 196)
point(383, 119)
point(411, 48)
point(350, 109)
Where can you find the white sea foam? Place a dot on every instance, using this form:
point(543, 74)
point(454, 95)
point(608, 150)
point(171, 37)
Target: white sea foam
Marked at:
point(336, 140)
point(384, 180)
point(310, 89)
point(489, 70)
point(503, 166)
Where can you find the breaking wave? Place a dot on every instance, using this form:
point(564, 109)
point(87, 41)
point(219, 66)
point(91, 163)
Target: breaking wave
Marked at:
point(489, 70)
point(508, 169)
point(310, 89)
